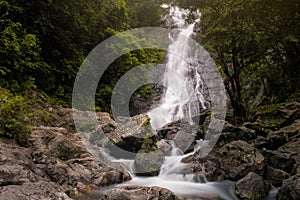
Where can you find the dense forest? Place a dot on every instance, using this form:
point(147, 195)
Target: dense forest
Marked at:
point(255, 44)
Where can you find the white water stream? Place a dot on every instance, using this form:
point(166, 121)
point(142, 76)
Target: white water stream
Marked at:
point(184, 85)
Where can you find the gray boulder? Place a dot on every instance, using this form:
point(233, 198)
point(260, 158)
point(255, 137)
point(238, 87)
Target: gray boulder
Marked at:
point(290, 189)
point(252, 187)
point(238, 158)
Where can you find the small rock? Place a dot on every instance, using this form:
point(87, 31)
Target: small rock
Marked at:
point(138, 193)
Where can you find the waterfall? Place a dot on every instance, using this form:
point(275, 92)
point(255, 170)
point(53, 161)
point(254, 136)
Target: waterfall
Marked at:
point(184, 95)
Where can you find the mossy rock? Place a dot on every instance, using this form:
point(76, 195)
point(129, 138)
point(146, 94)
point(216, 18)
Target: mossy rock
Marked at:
point(276, 116)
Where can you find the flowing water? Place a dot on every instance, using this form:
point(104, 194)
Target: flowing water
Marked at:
point(184, 96)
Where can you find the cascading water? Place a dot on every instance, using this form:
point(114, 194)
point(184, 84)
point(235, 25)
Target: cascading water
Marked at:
point(184, 86)
point(185, 95)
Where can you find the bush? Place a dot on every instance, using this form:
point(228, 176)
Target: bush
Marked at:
point(14, 117)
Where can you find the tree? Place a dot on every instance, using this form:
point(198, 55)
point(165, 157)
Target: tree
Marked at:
point(19, 50)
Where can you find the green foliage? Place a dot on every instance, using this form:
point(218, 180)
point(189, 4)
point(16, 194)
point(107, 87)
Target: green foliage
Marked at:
point(144, 13)
point(14, 117)
point(122, 65)
point(46, 41)
point(20, 52)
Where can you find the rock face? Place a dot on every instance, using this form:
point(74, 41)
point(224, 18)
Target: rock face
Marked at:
point(139, 193)
point(252, 187)
point(56, 162)
point(66, 161)
point(20, 178)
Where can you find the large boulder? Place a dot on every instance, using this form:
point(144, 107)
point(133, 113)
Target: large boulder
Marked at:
point(138, 193)
point(148, 164)
point(278, 160)
point(238, 158)
point(291, 149)
point(129, 134)
point(252, 187)
point(33, 190)
point(290, 189)
point(232, 133)
point(232, 161)
point(275, 176)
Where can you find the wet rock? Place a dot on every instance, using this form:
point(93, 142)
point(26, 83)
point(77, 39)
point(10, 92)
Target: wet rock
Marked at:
point(297, 171)
point(290, 189)
point(129, 134)
point(205, 169)
point(208, 171)
point(169, 131)
point(148, 164)
point(143, 103)
point(183, 134)
point(276, 176)
point(165, 147)
point(238, 158)
point(252, 187)
point(138, 193)
point(184, 141)
point(202, 120)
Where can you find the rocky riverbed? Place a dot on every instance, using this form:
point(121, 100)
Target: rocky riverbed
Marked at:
point(259, 155)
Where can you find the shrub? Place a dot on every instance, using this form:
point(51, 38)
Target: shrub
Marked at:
point(14, 117)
